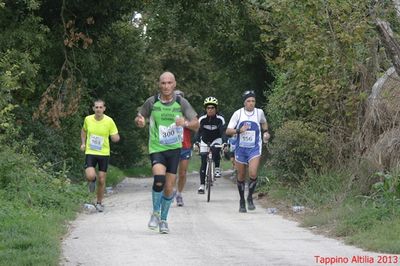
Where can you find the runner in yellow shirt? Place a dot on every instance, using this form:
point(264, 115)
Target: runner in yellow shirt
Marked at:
point(95, 134)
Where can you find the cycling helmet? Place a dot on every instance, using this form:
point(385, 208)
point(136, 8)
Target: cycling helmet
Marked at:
point(248, 94)
point(210, 101)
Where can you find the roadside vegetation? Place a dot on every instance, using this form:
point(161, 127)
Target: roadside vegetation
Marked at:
point(337, 205)
point(36, 205)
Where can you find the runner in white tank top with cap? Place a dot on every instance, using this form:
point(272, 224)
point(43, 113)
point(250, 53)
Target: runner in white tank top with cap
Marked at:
point(250, 126)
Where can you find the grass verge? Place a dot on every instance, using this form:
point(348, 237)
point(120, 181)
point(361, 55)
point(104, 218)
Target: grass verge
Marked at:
point(337, 209)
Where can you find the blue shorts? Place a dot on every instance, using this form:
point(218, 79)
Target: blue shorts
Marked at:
point(186, 154)
point(245, 155)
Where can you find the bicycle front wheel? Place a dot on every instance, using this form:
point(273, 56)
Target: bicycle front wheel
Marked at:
point(208, 181)
point(210, 178)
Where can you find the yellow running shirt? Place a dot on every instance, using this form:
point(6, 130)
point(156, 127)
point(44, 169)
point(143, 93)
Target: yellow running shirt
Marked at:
point(98, 133)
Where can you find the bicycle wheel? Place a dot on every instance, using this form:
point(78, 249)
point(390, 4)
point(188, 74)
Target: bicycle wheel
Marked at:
point(210, 179)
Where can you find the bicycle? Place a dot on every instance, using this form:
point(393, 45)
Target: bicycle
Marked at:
point(210, 169)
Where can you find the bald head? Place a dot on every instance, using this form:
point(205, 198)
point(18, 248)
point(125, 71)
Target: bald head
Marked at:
point(167, 74)
point(167, 85)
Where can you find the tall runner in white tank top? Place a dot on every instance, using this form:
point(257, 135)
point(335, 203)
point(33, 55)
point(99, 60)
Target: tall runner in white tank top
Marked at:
point(250, 125)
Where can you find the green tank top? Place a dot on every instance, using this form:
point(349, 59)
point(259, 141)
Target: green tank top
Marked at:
point(164, 134)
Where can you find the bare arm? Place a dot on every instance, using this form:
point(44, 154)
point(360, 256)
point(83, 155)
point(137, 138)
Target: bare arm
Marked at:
point(266, 134)
point(115, 137)
point(83, 140)
point(230, 131)
point(264, 126)
point(233, 131)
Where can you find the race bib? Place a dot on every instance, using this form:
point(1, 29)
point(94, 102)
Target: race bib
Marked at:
point(96, 142)
point(247, 139)
point(169, 135)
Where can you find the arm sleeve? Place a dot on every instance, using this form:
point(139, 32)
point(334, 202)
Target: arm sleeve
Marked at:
point(113, 128)
point(199, 132)
point(222, 130)
point(145, 109)
point(187, 110)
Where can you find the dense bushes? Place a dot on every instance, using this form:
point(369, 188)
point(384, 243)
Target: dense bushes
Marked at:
point(22, 180)
point(35, 202)
point(297, 146)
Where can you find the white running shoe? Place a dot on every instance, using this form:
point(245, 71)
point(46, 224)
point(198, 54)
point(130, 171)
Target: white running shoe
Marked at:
point(201, 189)
point(154, 221)
point(179, 200)
point(164, 227)
point(217, 172)
point(99, 207)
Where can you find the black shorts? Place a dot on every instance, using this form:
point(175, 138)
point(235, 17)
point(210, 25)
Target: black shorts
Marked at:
point(92, 160)
point(170, 159)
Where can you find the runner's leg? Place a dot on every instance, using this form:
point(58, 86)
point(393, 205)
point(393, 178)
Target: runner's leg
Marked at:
point(101, 186)
point(158, 186)
point(166, 199)
point(183, 165)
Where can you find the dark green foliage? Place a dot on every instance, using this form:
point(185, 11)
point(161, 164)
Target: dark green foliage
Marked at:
point(297, 147)
point(115, 74)
point(213, 47)
point(325, 56)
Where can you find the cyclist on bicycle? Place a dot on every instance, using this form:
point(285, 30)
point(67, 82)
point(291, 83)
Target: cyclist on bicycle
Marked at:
point(211, 131)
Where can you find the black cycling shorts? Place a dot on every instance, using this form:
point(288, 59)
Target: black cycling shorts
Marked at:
point(92, 161)
point(170, 159)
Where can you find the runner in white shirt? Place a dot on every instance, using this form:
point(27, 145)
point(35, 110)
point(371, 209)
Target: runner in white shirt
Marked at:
point(250, 126)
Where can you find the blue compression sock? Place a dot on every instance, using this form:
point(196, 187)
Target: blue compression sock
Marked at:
point(165, 204)
point(156, 197)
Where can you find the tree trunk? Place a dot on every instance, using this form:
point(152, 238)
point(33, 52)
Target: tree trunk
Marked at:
point(391, 44)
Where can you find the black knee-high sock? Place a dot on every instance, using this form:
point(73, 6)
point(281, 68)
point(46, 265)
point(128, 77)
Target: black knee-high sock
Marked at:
point(252, 186)
point(241, 186)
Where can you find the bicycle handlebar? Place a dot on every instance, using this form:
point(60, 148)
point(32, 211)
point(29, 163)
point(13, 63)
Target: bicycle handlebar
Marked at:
point(212, 146)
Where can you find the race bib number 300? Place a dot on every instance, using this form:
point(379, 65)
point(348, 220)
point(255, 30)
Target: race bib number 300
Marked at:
point(96, 142)
point(169, 135)
point(248, 139)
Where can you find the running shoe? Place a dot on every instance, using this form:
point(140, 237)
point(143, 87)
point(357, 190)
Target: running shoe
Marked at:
point(92, 185)
point(99, 207)
point(201, 189)
point(217, 172)
point(179, 200)
point(250, 204)
point(242, 207)
point(154, 221)
point(163, 226)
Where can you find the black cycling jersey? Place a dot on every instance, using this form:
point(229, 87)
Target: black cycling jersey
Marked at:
point(211, 128)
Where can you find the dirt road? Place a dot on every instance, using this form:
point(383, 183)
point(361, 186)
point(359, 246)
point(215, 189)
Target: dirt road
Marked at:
point(201, 233)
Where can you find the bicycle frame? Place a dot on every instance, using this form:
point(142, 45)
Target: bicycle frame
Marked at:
point(210, 170)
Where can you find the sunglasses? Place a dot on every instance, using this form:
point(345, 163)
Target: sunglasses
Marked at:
point(248, 92)
point(210, 107)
